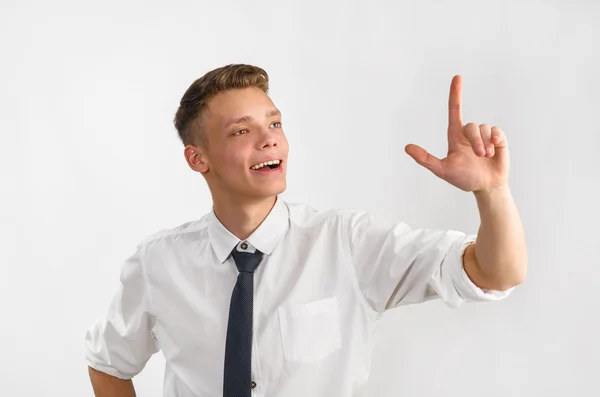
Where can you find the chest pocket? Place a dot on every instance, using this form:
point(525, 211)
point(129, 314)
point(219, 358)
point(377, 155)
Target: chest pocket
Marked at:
point(310, 331)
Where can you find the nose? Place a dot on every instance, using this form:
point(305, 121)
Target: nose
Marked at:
point(270, 142)
point(268, 139)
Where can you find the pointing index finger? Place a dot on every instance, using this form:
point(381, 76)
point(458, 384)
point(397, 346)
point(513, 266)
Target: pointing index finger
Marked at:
point(455, 102)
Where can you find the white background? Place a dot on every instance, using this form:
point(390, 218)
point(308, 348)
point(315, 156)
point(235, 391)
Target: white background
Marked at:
point(91, 164)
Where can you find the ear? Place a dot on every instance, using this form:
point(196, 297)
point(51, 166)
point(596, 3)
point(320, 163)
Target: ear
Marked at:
point(196, 158)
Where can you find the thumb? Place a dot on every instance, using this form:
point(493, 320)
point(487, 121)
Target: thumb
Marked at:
point(422, 157)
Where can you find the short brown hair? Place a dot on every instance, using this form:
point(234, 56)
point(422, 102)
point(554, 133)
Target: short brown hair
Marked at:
point(195, 100)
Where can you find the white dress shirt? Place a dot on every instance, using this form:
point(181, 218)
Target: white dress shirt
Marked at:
point(326, 278)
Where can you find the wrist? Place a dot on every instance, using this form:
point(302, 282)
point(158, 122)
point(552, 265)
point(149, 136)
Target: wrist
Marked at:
point(500, 190)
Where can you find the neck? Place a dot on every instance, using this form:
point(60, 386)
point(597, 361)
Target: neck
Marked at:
point(242, 218)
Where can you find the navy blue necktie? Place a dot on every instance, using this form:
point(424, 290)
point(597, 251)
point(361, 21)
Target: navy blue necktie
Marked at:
point(238, 346)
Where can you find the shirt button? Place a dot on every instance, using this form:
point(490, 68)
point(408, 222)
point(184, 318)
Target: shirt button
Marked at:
point(244, 245)
point(253, 384)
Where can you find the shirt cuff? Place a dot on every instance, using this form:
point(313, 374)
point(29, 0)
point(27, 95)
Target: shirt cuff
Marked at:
point(465, 286)
point(98, 356)
point(107, 370)
point(456, 287)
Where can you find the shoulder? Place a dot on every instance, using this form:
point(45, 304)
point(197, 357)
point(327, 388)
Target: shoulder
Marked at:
point(306, 215)
point(176, 232)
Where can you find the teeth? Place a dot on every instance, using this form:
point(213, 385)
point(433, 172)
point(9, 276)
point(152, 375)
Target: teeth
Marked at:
point(258, 166)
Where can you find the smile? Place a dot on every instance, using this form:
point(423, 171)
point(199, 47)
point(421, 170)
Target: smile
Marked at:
point(272, 164)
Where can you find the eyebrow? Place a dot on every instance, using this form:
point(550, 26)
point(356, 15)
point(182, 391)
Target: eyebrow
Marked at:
point(246, 119)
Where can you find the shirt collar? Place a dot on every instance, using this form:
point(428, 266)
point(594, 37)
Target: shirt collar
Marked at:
point(265, 237)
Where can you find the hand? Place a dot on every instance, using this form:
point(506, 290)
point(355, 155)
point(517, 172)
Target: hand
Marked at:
point(468, 165)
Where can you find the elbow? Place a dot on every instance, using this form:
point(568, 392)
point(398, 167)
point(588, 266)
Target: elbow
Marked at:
point(521, 272)
point(508, 277)
point(520, 279)
point(516, 277)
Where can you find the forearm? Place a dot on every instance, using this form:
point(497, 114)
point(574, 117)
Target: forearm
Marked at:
point(500, 251)
point(105, 385)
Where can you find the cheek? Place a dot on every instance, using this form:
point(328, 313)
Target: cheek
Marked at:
point(232, 168)
point(283, 143)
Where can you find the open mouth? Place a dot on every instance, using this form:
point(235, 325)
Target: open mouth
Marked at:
point(267, 166)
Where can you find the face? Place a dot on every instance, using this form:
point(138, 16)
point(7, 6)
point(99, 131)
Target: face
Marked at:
point(244, 131)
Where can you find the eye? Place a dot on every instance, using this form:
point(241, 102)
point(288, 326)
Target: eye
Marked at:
point(278, 124)
point(236, 133)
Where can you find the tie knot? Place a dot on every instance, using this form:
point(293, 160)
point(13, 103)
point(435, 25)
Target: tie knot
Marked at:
point(246, 261)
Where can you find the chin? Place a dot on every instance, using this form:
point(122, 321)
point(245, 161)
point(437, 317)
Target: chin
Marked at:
point(269, 191)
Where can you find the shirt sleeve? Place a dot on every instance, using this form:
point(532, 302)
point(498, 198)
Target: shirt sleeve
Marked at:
point(396, 265)
point(121, 342)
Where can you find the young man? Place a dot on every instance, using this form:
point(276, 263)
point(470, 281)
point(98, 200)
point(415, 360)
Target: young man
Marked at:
point(265, 297)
